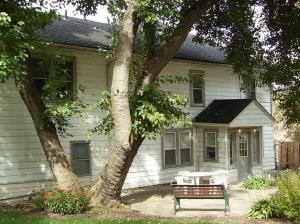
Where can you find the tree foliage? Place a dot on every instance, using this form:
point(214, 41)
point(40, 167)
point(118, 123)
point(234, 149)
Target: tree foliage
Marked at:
point(19, 41)
point(259, 37)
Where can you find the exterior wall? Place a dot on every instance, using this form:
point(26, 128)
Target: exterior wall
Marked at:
point(23, 167)
point(219, 81)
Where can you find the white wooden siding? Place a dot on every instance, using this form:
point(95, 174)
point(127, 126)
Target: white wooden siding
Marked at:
point(23, 167)
point(251, 116)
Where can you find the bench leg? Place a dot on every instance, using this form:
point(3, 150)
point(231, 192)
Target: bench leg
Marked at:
point(226, 198)
point(178, 202)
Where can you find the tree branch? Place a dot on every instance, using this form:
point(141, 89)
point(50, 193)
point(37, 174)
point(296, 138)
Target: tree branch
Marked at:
point(155, 64)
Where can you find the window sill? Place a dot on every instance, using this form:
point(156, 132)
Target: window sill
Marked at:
point(178, 166)
point(211, 161)
point(84, 175)
point(197, 105)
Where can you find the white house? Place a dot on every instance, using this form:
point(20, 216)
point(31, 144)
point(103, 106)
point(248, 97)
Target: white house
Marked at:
point(231, 129)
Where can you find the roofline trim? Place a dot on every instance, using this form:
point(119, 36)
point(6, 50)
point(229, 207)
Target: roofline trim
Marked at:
point(264, 110)
point(174, 59)
point(211, 124)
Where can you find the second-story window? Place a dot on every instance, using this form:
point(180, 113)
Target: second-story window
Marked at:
point(251, 91)
point(197, 88)
point(42, 70)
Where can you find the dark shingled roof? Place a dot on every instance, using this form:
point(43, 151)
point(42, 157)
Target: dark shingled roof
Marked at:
point(222, 111)
point(85, 33)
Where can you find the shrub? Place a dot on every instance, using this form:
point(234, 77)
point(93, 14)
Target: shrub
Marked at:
point(59, 201)
point(287, 203)
point(257, 182)
point(262, 209)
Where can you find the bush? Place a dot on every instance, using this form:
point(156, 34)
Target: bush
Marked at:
point(257, 182)
point(263, 209)
point(287, 203)
point(59, 201)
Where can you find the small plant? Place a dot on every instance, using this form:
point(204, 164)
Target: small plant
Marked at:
point(262, 209)
point(59, 201)
point(257, 182)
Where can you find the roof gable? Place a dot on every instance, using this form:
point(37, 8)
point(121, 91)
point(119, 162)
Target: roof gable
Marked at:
point(235, 112)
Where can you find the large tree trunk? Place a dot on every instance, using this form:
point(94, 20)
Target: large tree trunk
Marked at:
point(109, 184)
point(46, 131)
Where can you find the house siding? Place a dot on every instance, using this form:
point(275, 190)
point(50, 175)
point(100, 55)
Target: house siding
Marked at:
point(23, 166)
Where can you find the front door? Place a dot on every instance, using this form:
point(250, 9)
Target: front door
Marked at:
point(243, 155)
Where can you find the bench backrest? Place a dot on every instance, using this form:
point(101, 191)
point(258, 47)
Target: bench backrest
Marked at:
point(203, 191)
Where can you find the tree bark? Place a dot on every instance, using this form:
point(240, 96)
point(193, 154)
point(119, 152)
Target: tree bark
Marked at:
point(108, 185)
point(46, 131)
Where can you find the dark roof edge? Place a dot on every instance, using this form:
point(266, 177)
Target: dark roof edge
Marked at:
point(93, 48)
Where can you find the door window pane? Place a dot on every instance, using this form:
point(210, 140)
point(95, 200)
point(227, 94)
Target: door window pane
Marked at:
point(243, 143)
point(170, 157)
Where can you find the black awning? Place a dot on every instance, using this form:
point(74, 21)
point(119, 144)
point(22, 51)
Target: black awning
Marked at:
point(222, 111)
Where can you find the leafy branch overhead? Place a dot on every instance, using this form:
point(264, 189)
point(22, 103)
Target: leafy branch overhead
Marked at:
point(152, 109)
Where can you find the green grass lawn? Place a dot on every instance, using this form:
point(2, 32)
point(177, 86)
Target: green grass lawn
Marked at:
point(18, 218)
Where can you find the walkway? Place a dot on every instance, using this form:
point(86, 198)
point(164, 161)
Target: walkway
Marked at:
point(158, 201)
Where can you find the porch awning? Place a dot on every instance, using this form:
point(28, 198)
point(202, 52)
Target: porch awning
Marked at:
point(234, 113)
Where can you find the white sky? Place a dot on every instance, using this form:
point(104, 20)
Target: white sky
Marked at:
point(101, 16)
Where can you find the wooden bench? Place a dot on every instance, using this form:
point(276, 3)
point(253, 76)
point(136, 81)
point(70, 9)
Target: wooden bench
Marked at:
point(202, 191)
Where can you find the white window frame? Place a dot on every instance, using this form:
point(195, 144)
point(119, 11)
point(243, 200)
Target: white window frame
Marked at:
point(166, 149)
point(177, 148)
point(190, 148)
point(72, 143)
point(201, 74)
point(215, 131)
point(73, 79)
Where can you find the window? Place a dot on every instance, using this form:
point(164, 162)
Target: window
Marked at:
point(210, 145)
point(177, 147)
point(243, 143)
point(255, 139)
point(197, 88)
point(80, 158)
point(40, 70)
point(251, 91)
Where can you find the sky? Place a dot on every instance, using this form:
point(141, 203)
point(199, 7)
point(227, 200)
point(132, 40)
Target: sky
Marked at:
point(101, 16)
